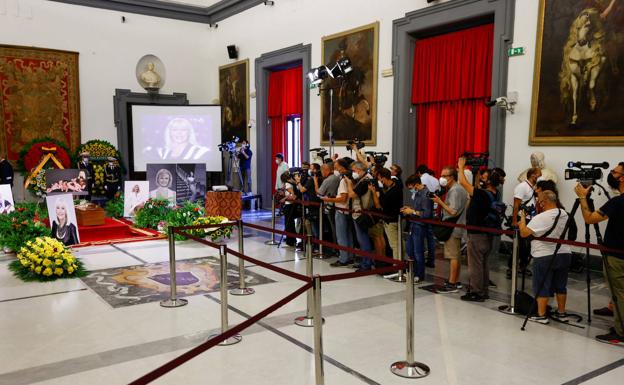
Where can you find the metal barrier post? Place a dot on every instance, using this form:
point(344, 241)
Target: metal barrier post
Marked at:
point(242, 285)
point(320, 254)
point(400, 277)
point(410, 368)
point(308, 319)
point(224, 300)
point(272, 242)
point(173, 301)
point(318, 333)
point(511, 308)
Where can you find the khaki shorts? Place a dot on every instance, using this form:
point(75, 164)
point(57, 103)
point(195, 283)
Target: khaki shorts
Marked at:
point(376, 230)
point(452, 248)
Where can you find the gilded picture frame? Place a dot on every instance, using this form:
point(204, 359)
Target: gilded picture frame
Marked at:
point(234, 86)
point(578, 88)
point(354, 99)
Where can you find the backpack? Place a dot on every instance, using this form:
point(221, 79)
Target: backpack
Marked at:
point(496, 214)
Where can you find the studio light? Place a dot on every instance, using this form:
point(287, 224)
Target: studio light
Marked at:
point(269, 2)
point(340, 68)
point(334, 70)
point(316, 75)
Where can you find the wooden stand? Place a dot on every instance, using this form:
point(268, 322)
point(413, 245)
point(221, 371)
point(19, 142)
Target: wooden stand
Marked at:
point(91, 216)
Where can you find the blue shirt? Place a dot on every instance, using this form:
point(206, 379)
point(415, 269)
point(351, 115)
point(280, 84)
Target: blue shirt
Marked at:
point(421, 203)
point(245, 164)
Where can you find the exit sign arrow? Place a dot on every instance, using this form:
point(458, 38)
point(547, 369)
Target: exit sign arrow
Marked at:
point(515, 51)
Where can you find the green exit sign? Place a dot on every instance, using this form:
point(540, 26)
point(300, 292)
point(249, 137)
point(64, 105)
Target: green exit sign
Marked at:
point(312, 86)
point(515, 51)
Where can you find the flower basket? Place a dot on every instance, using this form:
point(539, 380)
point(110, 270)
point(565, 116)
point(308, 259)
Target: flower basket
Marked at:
point(152, 212)
point(22, 225)
point(46, 259)
point(213, 233)
point(184, 215)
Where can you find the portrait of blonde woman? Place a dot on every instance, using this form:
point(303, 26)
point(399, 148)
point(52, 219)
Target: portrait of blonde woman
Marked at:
point(181, 142)
point(63, 218)
point(161, 185)
point(136, 194)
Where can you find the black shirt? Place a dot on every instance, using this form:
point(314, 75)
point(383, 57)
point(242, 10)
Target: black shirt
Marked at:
point(478, 209)
point(614, 234)
point(391, 202)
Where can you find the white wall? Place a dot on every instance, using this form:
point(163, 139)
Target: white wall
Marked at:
point(109, 52)
point(192, 53)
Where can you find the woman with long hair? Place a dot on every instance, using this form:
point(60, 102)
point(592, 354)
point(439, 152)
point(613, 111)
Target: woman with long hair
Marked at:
point(62, 229)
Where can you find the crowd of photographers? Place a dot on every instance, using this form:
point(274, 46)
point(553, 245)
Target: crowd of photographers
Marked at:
point(352, 189)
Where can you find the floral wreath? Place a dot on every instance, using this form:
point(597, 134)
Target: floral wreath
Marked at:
point(30, 156)
point(99, 151)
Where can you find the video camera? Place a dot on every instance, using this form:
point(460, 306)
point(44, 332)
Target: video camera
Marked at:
point(229, 146)
point(585, 173)
point(438, 193)
point(476, 159)
point(295, 171)
point(320, 152)
point(379, 158)
point(358, 144)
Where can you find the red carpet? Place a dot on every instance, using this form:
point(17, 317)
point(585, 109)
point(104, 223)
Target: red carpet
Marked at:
point(114, 231)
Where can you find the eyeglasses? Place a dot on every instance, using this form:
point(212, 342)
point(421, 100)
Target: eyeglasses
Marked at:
point(614, 171)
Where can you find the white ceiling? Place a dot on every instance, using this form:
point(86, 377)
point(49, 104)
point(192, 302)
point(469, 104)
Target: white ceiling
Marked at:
point(197, 3)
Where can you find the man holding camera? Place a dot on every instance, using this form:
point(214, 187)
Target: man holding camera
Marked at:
point(328, 188)
point(344, 236)
point(482, 211)
point(244, 157)
point(613, 211)
point(454, 206)
point(422, 207)
point(524, 201)
point(550, 270)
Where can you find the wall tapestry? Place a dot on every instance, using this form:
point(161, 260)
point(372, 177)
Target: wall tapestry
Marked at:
point(234, 99)
point(354, 104)
point(39, 97)
point(578, 89)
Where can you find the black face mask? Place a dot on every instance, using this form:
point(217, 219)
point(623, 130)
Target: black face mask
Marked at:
point(613, 182)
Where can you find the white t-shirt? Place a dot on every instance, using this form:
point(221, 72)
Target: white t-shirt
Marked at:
point(287, 193)
point(282, 168)
point(540, 224)
point(524, 192)
point(431, 182)
point(343, 189)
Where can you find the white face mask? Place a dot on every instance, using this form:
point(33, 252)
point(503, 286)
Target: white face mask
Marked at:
point(355, 175)
point(277, 161)
point(310, 173)
point(336, 172)
point(443, 182)
point(381, 185)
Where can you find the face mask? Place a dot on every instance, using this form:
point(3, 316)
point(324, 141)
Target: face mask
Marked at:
point(381, 185)
point(277, 161)
point(613, 182)
point(310, 173)
point(336, 172)
point(355, 175)
point(413, 191)
point(443, 182)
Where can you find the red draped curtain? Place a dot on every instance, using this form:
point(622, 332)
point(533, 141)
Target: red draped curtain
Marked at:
point(452, 80)
point(285, 99)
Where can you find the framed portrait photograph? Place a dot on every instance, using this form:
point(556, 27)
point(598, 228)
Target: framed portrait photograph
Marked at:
point(353, 105)
point(62, 215)
point(7, 204)
point(578, 86)
point(234, 99)
point(190, 182)
point(162, 181)
point(136, 193)
point(70, 180)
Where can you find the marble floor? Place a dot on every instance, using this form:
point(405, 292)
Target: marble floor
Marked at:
point(64, 333)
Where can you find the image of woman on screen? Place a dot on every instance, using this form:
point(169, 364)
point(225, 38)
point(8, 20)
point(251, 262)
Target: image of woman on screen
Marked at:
point(61, 228)
point(136, 200)
point(181, 142)
point(164, 179)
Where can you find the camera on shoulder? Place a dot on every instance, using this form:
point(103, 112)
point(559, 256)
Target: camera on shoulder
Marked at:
point(585, 173)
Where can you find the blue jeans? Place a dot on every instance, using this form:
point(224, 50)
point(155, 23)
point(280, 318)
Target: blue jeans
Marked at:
point(431, 243)
point(365, 244)
point(416, 248)
point(344, 236)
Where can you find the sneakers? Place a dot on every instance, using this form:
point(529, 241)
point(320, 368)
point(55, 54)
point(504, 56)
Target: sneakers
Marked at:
point(457, 284)
point(339, 264)
point(561, 317)
point(472, 297)
point(448, 288)
point(611, 338)
point(539, 319)
point(391, 275)
point(604, 311)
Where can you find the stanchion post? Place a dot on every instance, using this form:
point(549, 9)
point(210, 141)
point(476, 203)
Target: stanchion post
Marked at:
point(511, 308)
point(400, 276)
point(242, 288)
point(272, 242)
point(318, 333)
point(320, 254)
point(308, 319)
point(409, 368)
point(224, 300)
point(173, 301)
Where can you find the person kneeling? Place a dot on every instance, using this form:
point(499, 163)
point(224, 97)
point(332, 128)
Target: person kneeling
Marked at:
point(550, 269)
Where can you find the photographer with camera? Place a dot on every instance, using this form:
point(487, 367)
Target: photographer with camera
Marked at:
point(289, 208)
point(483, 211)
point(389, 200)
point(328, 188)
point(307, 188)
point(362, 199)
point(396, 171)
point(613, 211)
point(551, 270)
point(524, 200)
point(427, 178)
point(244, 156)
point(454, 208)
point(422, 207)
point(343, 223)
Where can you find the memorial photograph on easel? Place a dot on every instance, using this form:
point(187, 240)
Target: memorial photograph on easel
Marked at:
point(190, 182)
point(63, 221)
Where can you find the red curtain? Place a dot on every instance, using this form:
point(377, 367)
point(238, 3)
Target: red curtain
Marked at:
point(451, 81)
point(285, 99)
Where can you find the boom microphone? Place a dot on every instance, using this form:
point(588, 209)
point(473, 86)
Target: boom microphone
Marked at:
point(580, 164)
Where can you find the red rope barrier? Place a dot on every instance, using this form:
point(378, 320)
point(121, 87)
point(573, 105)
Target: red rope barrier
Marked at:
point(206, 226)
point(276, 269)
point(169, 366)
point(358, 252)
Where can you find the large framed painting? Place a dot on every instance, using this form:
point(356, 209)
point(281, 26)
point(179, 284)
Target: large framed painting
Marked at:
point(39, 97)
point(578, 87)
point(353, 104)
point(234, 98)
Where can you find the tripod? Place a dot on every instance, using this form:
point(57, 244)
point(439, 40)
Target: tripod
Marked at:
point(233, 164)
